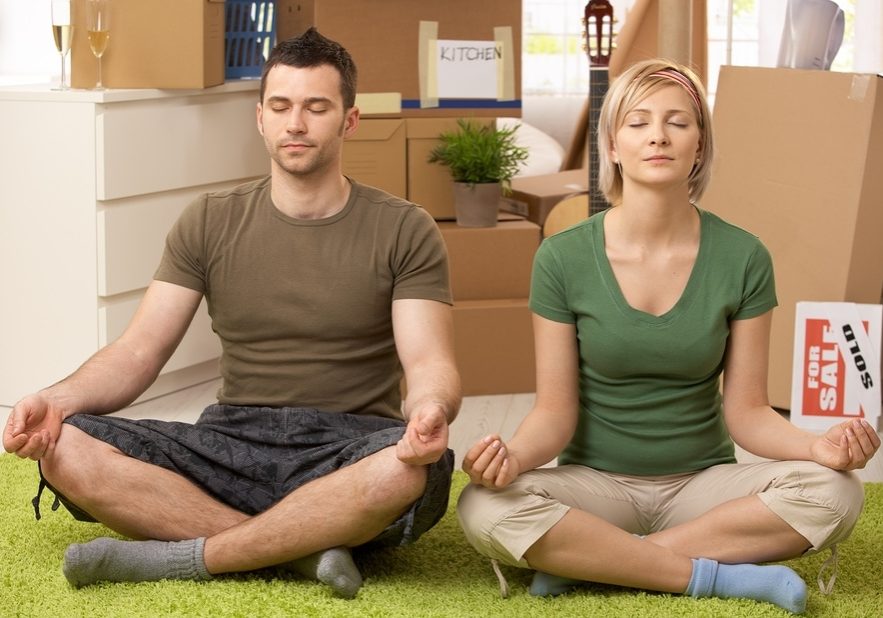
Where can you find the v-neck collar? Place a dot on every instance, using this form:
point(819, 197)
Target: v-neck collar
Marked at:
point(688, 294)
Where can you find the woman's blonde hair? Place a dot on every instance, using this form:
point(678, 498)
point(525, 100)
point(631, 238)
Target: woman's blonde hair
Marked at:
point(630, 88)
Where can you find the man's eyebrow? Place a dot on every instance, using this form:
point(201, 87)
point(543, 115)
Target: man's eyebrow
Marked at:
point(308, 101)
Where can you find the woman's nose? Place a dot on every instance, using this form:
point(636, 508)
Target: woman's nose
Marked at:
point(658, 135)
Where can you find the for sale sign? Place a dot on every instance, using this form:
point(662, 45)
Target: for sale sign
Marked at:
point(836, 364)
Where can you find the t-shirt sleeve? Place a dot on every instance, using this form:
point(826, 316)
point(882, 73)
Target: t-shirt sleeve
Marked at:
point(548, 292)
point(420, 263)
point(759, 289)
point(183, 260)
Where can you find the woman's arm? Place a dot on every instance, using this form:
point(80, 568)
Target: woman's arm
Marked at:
point(759, 429)
point(551, 422)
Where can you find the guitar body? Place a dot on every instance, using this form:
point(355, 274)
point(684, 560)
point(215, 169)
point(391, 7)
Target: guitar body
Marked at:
point(569, 211)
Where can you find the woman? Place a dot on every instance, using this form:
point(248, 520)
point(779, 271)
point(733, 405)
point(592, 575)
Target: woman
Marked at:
point(637, 312)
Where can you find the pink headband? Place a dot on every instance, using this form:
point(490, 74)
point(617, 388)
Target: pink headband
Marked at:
point(679, 78)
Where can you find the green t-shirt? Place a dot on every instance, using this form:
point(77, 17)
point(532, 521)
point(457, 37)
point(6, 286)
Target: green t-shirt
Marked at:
point(303, 307)
point(649, 386)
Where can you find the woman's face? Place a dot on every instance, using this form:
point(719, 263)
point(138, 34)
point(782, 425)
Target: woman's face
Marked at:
point(659, 140)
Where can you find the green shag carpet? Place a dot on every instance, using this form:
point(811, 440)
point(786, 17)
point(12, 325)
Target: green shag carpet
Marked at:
point(441, 575)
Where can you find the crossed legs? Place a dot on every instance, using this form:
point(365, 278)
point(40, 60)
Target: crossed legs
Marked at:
point(346, 508)
point(576, 524)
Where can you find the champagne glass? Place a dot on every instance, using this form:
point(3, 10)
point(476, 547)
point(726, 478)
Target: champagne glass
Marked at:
point(98, 29)
point(62, 32)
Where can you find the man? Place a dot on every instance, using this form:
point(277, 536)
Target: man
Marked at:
point(322, 291)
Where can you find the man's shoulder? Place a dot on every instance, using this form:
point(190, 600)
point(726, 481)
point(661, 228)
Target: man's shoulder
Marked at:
point(239, 192)
point(374, 196)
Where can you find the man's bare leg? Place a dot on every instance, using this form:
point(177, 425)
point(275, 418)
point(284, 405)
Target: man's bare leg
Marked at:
point(139, 501)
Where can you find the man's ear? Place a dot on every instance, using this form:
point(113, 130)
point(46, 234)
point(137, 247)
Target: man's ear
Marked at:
point(259, 116)
point(351, 121)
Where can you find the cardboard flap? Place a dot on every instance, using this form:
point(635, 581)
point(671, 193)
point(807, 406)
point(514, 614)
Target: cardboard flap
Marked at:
point(377, 130)
point(431, 128)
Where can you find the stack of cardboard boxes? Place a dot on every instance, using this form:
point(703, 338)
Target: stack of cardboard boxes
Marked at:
point(398, 48)
point(490, 282)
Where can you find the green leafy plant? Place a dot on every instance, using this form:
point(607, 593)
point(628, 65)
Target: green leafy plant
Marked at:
point(480, 153)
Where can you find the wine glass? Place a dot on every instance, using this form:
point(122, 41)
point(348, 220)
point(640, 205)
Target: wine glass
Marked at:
point(98, 29)
point(62, 32)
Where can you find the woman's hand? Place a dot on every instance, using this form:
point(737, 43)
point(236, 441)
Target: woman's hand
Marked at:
point(489, 463)
point(847, 446)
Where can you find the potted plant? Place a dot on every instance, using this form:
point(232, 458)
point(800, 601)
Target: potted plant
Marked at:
point(482, 160)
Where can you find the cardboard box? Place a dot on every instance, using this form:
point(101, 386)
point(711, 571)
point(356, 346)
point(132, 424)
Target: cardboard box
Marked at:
point(375, 155)
point(836, 364)
point(493, 342)
point(491, 262)
point(429, 184)
point(798, 162)
point(156, 44)
point(534, 197)
point(395, 44)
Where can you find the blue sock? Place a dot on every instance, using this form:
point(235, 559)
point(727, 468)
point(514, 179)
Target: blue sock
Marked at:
point(546, 585)
point(774, 584)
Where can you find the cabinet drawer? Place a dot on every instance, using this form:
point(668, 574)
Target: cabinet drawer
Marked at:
point(199, 344)
point(132, 234)
point(160, 145)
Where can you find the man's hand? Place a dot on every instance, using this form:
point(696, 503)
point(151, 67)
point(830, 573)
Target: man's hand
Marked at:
point(489, 463)
point(33, 427)
point(426, 436)
point(847, 446)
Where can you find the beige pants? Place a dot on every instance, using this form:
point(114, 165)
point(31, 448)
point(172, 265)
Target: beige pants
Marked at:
point(821, 504)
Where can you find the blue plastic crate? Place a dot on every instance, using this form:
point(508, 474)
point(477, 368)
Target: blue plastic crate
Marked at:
point(251, 34)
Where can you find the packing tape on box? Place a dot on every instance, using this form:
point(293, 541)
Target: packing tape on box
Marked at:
point(506, 66)
point(859, 87)
point(427, 57)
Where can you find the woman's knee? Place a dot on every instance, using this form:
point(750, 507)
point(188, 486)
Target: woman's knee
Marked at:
point(503, 524)
point(824, 505)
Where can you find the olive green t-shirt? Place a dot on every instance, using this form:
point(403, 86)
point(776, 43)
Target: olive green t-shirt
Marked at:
point(303, 307)
point(649, 386)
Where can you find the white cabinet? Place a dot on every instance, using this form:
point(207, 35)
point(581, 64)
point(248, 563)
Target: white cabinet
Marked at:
point(90, 183)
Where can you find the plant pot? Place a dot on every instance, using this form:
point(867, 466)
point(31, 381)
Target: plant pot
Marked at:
point(477, 205)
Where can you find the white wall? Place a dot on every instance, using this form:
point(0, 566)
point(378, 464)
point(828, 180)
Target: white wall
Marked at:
point(27, 52)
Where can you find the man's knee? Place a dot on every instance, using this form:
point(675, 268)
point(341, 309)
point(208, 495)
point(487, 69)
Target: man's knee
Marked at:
point(71, 462)
point(394, 482)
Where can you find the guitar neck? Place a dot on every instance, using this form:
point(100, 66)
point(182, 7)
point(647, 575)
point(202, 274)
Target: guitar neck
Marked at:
point(598, 20)
point(598, 84)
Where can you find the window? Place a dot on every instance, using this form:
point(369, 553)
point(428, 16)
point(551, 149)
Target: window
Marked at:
point(742, 32)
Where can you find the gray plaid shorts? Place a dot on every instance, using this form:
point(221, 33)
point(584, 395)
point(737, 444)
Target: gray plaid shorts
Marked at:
point(251, 457)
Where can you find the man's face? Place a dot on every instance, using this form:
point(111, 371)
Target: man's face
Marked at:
point(302, 119)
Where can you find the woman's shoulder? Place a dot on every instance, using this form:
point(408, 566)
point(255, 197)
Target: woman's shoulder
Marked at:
point(729, 233)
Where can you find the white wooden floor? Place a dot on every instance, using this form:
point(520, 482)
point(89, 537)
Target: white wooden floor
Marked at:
point(478, 417)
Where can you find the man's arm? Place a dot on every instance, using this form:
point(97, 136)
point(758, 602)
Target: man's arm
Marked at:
point(111, 378)
point(424, 335)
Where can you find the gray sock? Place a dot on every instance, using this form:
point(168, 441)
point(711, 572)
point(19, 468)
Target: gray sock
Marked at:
point(134, 561)
point(333, 567)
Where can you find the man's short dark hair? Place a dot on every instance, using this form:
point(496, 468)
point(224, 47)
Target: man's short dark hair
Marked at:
point(311, 49)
